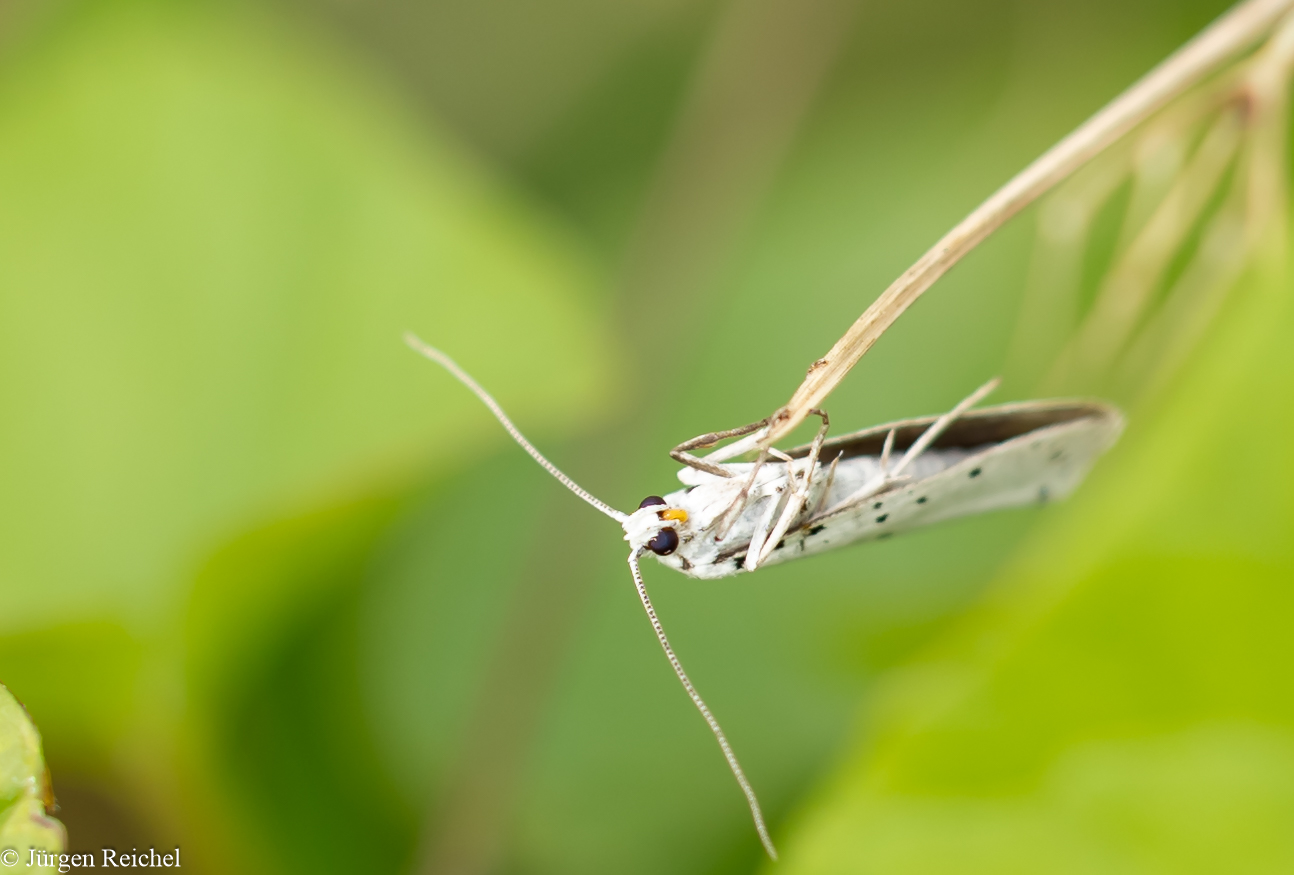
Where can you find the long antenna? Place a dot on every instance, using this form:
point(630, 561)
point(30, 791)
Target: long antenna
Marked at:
point(701, 706)
point(449, 364)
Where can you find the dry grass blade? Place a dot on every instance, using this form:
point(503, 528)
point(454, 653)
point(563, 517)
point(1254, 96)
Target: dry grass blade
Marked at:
point(1211, 51)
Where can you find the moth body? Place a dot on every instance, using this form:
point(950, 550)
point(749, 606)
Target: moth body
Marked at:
point(998, 457)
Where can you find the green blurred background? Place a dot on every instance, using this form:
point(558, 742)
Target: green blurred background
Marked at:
point(279, 592)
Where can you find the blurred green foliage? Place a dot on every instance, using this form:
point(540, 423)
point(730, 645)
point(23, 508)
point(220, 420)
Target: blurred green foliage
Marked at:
point(1120, 699)
point(279, 592)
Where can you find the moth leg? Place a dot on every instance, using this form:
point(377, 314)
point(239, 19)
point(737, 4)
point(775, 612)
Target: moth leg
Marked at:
point(798, 495)
point(729, 516)
point(815, 449)
point(940, 425)
point(731, 757)
point(888, 478)
point(734, 510)
point(885, 453)
point(826, 487)
point(705, 441)
point(758, 538)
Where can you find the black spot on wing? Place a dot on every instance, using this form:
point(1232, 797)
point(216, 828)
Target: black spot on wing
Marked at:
point(921, 500)
point(975, 472)
point(877, 505)
point(816, 529)
point(740, 561)
point(882, 518)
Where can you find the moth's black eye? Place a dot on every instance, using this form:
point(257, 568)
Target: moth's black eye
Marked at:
point(665, 542)
point(650, 501)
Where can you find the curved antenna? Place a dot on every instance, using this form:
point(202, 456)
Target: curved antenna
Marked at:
point(448, 364)
point(700, 705)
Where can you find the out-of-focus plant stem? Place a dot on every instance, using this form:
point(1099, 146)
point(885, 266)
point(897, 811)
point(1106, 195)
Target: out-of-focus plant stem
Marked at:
point(1218, 45)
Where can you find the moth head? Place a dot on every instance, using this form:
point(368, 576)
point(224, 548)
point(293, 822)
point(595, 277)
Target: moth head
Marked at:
point(653, 526)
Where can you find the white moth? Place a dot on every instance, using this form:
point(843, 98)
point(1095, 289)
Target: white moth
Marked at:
point(736, 517)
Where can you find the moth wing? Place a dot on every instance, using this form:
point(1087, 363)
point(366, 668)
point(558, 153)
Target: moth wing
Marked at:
point(1042, 466)
point(1039, 466)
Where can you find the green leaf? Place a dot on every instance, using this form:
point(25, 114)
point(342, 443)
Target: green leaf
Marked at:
point(214, 235)
point(215, 228)
point(1121, 702)
point(24, 788)
point(276, 744)
point(80, 680)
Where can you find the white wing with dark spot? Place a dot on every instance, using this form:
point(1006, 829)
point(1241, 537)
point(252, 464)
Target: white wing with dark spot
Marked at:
point(1051, 448)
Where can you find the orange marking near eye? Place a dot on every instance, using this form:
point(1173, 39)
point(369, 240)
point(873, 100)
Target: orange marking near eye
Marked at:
point(676, 513)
